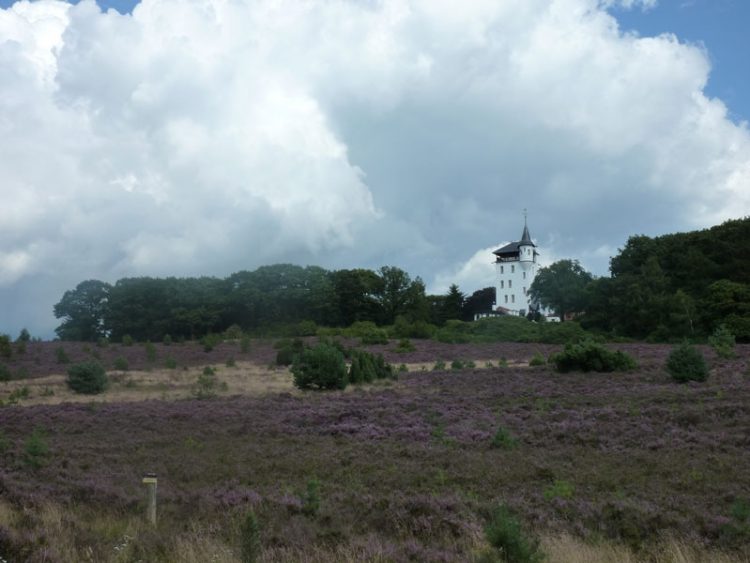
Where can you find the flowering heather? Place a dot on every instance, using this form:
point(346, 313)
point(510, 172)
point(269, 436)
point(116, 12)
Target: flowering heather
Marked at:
point(410, 465)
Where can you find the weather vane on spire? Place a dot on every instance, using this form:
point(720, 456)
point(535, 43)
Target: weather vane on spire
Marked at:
point(524, 216)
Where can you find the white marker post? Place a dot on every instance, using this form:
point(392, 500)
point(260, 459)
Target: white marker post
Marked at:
point(149, 479)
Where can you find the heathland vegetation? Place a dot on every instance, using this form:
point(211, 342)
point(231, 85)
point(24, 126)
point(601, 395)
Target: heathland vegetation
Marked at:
point(301, 414)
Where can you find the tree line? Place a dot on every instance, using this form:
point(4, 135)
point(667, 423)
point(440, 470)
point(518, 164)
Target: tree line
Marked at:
point(259, 301)
point(674, 286)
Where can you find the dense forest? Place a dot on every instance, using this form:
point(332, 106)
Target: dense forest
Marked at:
point(269, 300)
point(664, 288)
point(675, 286)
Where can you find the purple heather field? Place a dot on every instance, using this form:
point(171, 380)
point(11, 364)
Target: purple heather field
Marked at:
point(627, 456)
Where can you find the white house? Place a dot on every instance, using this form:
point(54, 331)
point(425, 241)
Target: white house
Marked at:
point(516, 265)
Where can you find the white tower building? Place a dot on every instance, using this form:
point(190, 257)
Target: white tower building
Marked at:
point(516, 265)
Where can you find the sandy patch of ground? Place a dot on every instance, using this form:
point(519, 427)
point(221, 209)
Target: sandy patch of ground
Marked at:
point(245, 378)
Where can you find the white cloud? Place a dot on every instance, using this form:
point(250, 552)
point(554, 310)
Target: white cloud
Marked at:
point(200, 137)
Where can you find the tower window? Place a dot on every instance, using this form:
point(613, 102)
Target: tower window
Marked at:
point(512, 269)
point(524, 290)
point(502, 284)
point(524, 275)
point(506, 298)
point(510, 284)
point(501, 269)
point(513, 298)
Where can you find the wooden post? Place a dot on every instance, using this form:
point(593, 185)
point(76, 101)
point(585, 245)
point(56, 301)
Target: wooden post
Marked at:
point(149, 479)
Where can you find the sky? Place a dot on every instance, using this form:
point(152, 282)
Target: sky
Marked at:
point(205, 137)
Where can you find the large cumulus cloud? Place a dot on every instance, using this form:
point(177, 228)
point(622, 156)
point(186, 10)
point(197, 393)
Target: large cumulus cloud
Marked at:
point(207, 136)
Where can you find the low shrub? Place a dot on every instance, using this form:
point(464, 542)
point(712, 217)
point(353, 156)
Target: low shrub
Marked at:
point(367, 367)
point(121, 364)
point(588, 355)
point(5, 374)
point(170, 363)
point(289, 351)
point(234, 332)
point(377, 336)
point(457, 365)
point(686, 363)
point(320, 367)
point(245, 344)
point(210, 341)
point(205, 385)
point(439, 366)
point(167, 340)
point(404, 328)
point(537, 360)
point(507, 538)
point(503, 439)
point(127, 340)
point(61, 355)
point(87, 378)
point(250, 538)
point(150, 352)
point(404, 345)
point(102, 342)
point(559, 489)
point(722, 341)
point(311, 500)
point(35, 449)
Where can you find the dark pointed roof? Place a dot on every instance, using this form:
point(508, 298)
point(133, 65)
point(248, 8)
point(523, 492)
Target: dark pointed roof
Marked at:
point(512, 248)
point(526, 237)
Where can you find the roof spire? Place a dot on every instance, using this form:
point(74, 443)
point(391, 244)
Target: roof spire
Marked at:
point(525, 237)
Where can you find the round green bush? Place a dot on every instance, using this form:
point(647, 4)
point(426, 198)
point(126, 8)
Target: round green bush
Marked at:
point(88, 378)
point(588, 355)
point(321, 367)
point(686, 363)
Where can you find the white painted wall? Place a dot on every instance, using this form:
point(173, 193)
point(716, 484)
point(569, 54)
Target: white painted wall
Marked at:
point(514, 280)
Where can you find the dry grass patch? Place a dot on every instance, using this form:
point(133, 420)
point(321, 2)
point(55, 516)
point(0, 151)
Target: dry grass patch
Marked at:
point(245, 378)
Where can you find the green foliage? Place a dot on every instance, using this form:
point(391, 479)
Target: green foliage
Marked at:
point(127, 340)
point(367, 367)
point(404, 345)
point(61, 355)
point(403, 328)
point(439, 366)
point(503, 439)
point(20, 347)
point(35, 449)
point(150, 352)
point(402, 368)
point(250, 538)
point(559, 489)
point(508, 329)
point(234, 332)
point(288, 351)
point(537, 360)
point(507, 538)
point(102, 342)
point(561, 287)
point(374, 336)
point(5, 374)
point(18, 395)
point(24, 336)
point(306, 328)
point(245, 344)
point(170, 363)
point(320, 367)
point(206, 384)
point(722, 341)
point(588, 355)
point(457, 365)
point(167, 340)
point(83, 311)
point(6, 350)
point(686, 363)
point(210, 341)
point(121, 364)
point(87, 378)
point(311, 500)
